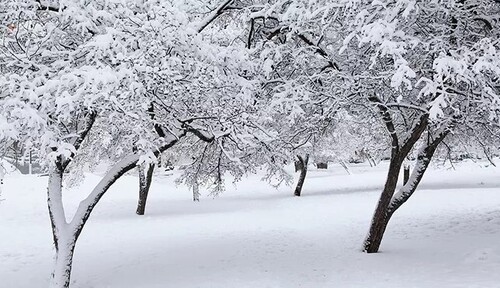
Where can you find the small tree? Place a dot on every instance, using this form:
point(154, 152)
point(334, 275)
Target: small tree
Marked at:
point(450, 54)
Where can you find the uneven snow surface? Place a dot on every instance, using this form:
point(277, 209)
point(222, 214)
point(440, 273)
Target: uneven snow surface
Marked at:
point(446, 235)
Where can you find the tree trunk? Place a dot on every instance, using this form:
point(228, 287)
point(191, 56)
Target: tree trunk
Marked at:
point(63, 263)
point(63, 242)
point(145, 178)
point(381, 217)
point(406, 173)
point(30, 167)
point(196, 191)
point(303, 173)
point(371, 161)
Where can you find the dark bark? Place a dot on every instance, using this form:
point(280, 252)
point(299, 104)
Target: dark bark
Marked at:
point(303, 173)
point(159, 130)
point(406, 174)
point(302, 36)
point(298, 165)
point(121, 169)
point(424, 158)
point(145, 178)
point(90, 120)
point(380, 217)
point(42, 7)
point(250, 34)
point(57, 177)
point(386, 209)
point(63, 265)
point(219, 10)
point(371, 161)
point(399, 152)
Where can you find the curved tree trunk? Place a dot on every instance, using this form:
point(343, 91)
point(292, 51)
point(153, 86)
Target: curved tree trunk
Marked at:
point(303, 172)
point(145, 178)
point(380, 217)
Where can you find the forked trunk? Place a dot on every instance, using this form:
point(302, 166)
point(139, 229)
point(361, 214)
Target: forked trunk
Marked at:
point(390, 202)
point(303, 173)
point(399, 151)
point(66, 234)
point(424, 158)
point(145, 178)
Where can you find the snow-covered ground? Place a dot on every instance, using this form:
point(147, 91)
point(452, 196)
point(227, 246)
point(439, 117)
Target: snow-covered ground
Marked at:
point(253, 235)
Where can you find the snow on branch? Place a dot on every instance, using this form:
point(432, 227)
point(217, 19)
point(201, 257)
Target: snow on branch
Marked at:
point(81, 135)
point(386, 116)
point(424, 158)
point(214, 14)
point(415, 132)
point(118, 170)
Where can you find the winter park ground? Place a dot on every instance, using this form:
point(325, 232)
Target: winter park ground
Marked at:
point(253, 235)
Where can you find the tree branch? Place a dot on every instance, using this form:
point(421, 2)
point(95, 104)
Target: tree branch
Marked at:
point(198, 133)
point(424, 157)
point(320, 51)
point(80, 138)
point(157, 127)
point(309, 42)
point(250, 33)
point(389, 123)
point(215, 14)
point(119, 169)
point(415, 133)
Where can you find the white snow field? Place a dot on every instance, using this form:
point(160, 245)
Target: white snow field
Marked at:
point(446, 235)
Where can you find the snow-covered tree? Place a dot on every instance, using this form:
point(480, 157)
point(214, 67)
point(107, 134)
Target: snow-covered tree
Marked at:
point(431, 68)
point(103, 78)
